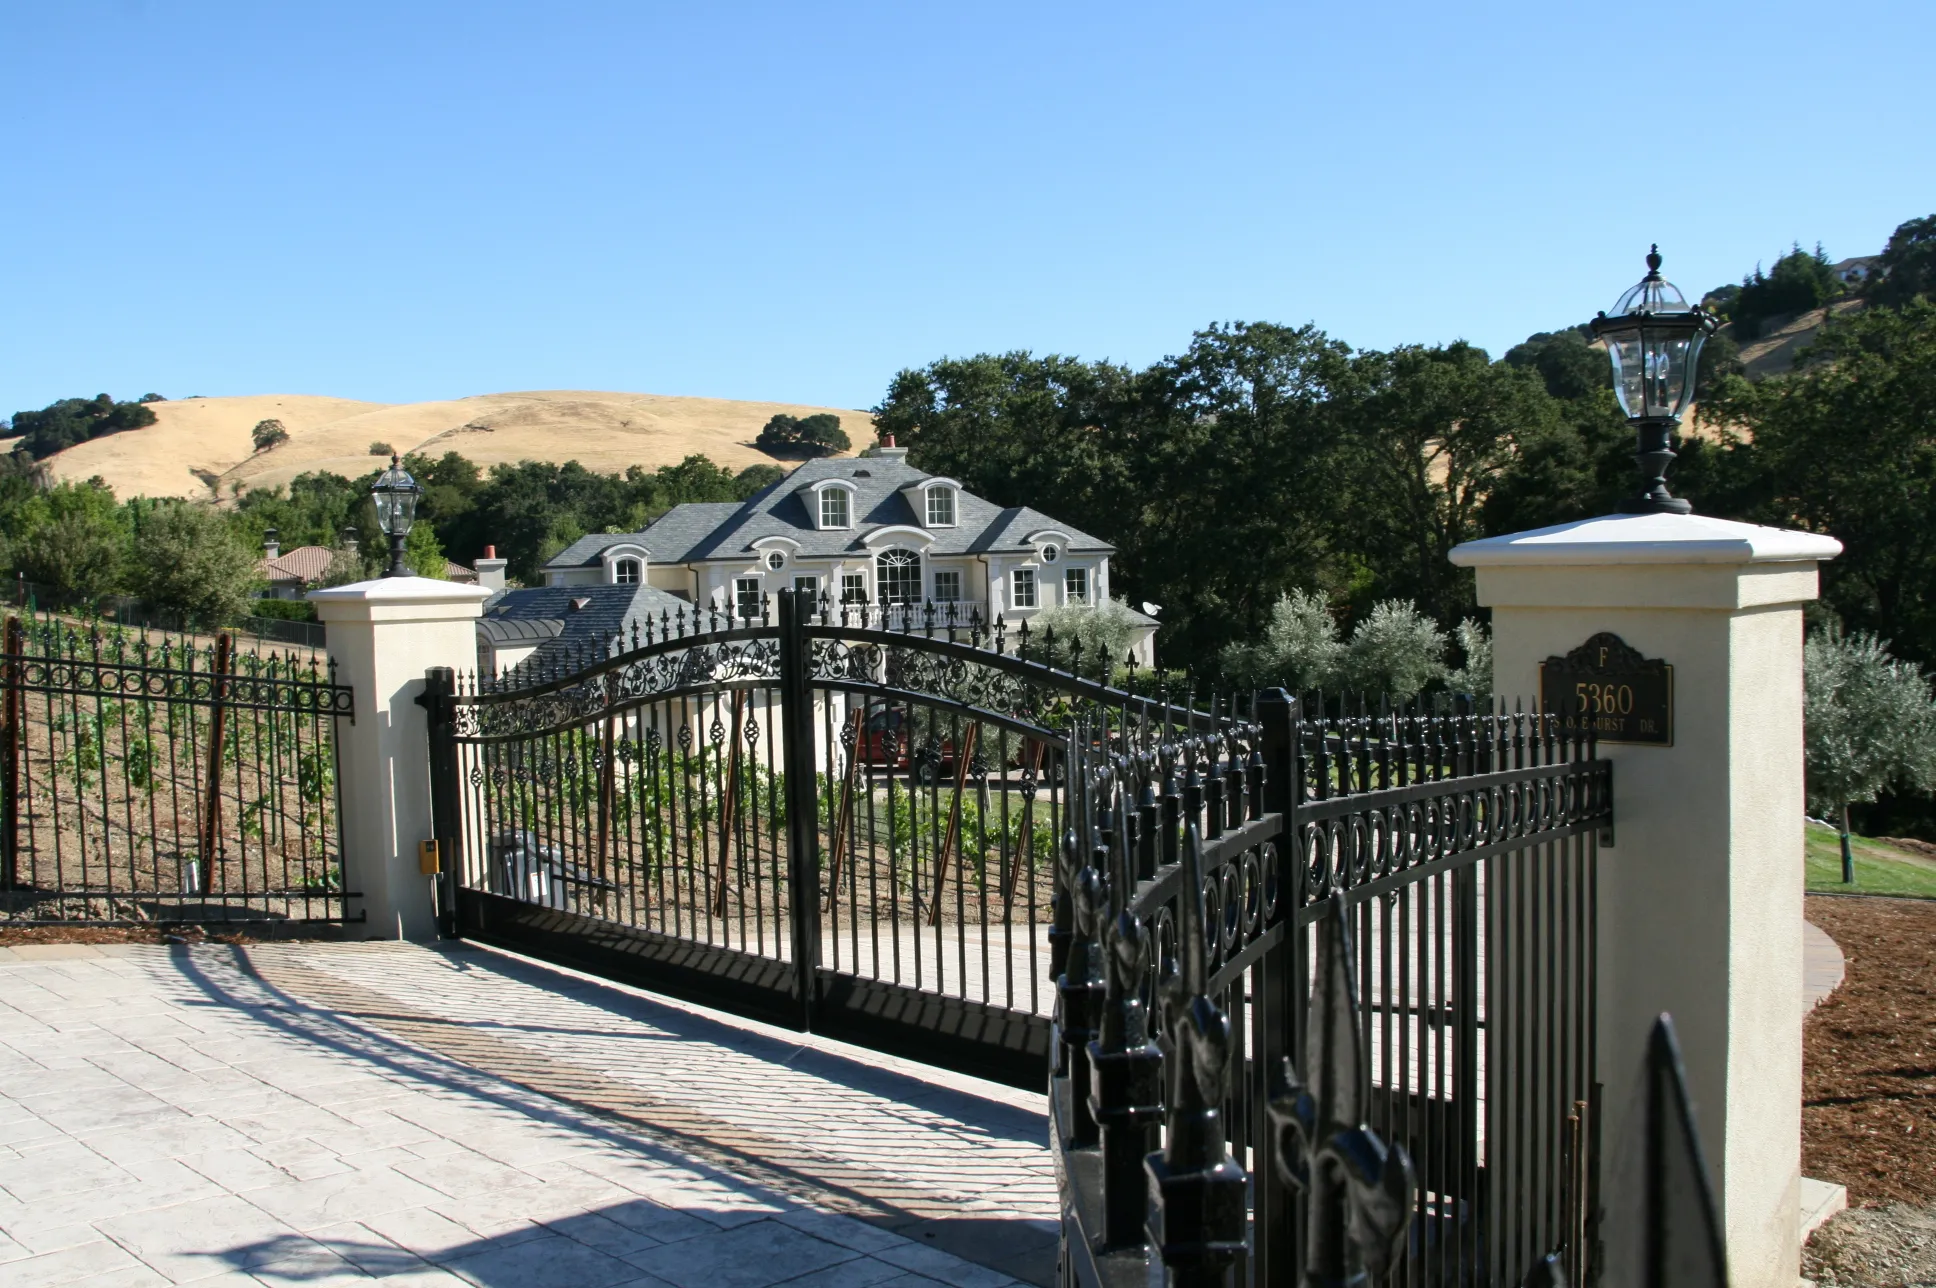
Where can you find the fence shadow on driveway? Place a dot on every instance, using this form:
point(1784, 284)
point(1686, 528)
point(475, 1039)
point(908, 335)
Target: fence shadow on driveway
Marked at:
point(801, 1129)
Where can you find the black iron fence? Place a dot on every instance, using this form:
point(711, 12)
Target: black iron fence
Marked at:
point(1359, 998)
point(165, 778)
point(129, 612)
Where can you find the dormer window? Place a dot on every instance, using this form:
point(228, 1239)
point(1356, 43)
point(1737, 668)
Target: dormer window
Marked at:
point(941, 507)
point(625, 572)
point(834, 509)
point(776, 560)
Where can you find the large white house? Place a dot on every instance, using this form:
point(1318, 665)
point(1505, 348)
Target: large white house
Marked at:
point(870, 530)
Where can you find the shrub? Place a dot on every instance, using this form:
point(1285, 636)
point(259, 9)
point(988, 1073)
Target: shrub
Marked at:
point(268, 434)
point(1394, 650)
point(287, 610)
point(382, 449)
point(1100, 629)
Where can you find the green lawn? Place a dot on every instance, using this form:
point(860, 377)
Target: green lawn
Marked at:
point(1879, 868)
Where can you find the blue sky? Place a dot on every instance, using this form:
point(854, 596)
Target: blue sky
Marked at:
point(399, 201)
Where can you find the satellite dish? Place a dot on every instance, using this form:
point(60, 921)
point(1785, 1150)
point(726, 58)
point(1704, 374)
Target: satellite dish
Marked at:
point(1152, 609)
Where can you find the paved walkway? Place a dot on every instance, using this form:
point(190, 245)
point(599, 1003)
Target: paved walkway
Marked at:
point(322, 1114)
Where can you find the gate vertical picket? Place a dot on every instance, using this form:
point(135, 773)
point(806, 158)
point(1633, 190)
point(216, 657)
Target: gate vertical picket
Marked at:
point(440, 688)
point(11, 736)
point(802, 801)
point(204, 881)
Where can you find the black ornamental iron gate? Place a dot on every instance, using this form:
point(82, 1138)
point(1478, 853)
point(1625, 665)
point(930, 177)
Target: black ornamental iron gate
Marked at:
point(827, 817)
point(1284, 964)
point(1349, 1029)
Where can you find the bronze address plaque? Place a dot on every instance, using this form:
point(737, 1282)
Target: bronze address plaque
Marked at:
point(1607, 688)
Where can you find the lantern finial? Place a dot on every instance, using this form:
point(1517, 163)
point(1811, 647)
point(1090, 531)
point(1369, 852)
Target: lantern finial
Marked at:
point(1653, 261)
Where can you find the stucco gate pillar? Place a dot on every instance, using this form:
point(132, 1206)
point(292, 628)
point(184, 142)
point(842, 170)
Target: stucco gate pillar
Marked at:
point(383, 635)
point(1700, 899)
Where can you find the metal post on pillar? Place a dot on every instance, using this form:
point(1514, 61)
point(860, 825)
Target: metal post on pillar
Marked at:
point(803, 807)
point(440, 687)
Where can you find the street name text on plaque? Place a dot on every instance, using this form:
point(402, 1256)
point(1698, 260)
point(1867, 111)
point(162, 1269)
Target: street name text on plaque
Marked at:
point(1607, 688)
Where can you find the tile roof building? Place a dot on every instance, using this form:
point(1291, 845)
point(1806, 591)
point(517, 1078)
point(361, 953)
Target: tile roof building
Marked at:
point(869, 529)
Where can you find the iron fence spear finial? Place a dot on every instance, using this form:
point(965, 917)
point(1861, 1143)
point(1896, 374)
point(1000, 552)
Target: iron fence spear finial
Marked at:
point(1360, 1192)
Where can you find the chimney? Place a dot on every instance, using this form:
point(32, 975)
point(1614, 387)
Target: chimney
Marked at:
point(490, 569)
point(351, 539)
point(887, 440)
point(271, 543)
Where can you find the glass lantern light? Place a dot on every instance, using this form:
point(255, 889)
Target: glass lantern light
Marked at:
point(1654, 342)
point(396, 496)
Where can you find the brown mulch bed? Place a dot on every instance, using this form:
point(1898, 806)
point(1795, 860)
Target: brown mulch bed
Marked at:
point(1869, 1054)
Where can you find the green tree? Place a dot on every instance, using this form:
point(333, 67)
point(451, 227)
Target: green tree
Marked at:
point(1437, 430)
point(1908, 264)
point(1846, 445)
point(1100, 631)
point(72, 538)
point(268, 434)
point(189, 558)
point(1800, 281)
point(1474, 674)
point(1395, 650)
point(423, 554)
point(816, 435)
point(1299, 648)
point(1869, 726)
point(63, 424)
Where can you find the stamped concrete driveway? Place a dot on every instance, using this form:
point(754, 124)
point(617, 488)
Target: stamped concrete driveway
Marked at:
point(319, 1114)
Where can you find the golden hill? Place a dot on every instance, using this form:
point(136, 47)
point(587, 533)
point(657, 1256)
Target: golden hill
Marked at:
point(199, 446)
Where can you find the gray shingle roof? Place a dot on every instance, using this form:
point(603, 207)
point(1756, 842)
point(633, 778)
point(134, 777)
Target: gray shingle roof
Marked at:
point(583, 615)
point(668, 539)
point(694, 532)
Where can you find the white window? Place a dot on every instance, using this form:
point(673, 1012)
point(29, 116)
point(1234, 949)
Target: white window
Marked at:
point(807, 585)
point(747, 597)
point(1024, 588)
point(898, 574)
point(941, 507)
point(833, 508)
point(947, 586)
point(853, 587)
point(776, 560)
point(1075, 585)
point(626, 572)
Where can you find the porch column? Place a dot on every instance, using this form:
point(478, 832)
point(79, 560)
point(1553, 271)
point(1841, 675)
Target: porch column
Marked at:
point(1700, 899)
point(383, 635)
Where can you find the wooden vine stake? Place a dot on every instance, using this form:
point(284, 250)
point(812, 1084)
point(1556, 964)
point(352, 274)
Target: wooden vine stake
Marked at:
point(964, 754)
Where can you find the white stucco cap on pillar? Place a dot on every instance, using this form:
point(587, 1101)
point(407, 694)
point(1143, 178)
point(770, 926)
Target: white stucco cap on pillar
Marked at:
point(397, 599)
point(1749, 564)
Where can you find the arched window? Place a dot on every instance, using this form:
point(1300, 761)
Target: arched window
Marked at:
point(898, 575)
point(626, 572)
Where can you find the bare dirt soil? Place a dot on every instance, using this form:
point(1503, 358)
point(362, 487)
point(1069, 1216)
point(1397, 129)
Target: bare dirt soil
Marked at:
point(1869, 1095)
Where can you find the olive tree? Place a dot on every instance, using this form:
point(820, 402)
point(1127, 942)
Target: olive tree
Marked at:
point(1394, 649)
point(1869, 726)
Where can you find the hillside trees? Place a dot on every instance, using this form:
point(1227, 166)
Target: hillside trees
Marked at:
point(1800, 280)
point(1846, 445)
point(63, 424)
point(816, 435)
point(268, 434)
point(1908, 264)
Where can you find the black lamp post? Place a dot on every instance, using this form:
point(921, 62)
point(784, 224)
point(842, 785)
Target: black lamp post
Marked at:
point(1654, 341)
point(396, 496)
